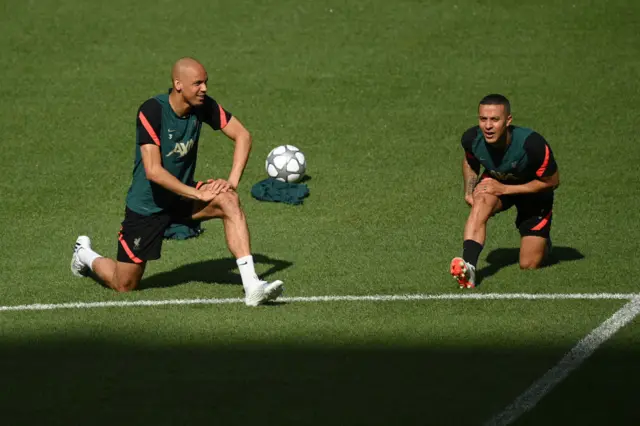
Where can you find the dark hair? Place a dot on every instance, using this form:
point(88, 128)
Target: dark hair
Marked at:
point(496, 99)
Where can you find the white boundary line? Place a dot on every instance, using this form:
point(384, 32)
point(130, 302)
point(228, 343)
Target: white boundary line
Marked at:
point(572, 360)
point(311, 299)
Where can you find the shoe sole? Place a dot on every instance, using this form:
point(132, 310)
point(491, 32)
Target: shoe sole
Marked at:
point(459, 271)
point(254, 303)
point(75, 271)
point(269, 293)
point(274, 290)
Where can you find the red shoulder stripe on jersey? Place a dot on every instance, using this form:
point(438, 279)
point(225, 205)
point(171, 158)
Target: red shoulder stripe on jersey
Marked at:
point(542, 223)
point(545, 163)
point(469, 155)
point(223, 118)
point(147, 126)
point(127, 249)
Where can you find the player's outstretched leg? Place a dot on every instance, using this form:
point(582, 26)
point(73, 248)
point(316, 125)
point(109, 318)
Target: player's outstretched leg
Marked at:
point(463, 272)
point(463, 269)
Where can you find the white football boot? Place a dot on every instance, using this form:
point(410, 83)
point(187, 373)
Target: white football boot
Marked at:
point(262, 291)
point(78, 268)
point(273, 290)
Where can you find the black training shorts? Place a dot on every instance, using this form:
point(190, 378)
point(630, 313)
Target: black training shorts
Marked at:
point(140, 238)
point(534, 212)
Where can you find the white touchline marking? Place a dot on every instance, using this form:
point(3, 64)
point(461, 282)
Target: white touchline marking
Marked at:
point(371, 298)
point(572, 360)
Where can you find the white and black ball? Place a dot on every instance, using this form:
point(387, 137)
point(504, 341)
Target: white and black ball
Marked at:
point(286, 163)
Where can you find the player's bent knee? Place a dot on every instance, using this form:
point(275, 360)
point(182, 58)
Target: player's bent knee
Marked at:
point(124, 286)
point(229, 202)
point(486, 199)
point(530, 263)
point(224, 199)
point(127, 277)
point(483, 207)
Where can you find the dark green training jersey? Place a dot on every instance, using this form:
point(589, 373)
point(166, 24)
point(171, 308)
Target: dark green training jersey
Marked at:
point(177, 138)
point(526, 158)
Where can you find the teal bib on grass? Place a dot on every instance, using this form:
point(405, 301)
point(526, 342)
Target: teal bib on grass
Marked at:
point(274, 190)
point(181, 231)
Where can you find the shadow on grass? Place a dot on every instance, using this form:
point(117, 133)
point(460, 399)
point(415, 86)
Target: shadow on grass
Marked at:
point(218, 271)
point(503, 257)
point(70, 381)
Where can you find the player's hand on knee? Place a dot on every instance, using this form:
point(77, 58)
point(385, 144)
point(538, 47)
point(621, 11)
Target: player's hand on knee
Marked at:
point(216, 185)
point(208, 191)
point(206, 195)
point(489, 186)
point(207, 185)
point(220, 185)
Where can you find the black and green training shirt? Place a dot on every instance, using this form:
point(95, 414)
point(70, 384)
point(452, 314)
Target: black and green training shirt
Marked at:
point(526, 158)
point(177, 138)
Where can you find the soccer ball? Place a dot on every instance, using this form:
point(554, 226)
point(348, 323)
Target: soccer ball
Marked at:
point(286, 163)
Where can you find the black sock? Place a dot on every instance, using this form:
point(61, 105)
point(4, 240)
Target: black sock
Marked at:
point(471, 251)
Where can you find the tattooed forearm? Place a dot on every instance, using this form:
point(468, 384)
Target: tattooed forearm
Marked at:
point(470, 185)
point(470, 177)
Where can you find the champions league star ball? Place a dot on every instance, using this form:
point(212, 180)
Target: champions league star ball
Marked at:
point(286, 163)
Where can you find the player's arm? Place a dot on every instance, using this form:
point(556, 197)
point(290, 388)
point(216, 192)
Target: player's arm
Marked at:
point(221, 119)
point(149, 125)
point(470, 166)
point(156, 173)
point(542, 163)
point(542, 184)
point(235, 131)
point(470, 177)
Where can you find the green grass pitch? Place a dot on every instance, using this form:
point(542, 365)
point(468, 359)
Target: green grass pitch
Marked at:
point(377, 95)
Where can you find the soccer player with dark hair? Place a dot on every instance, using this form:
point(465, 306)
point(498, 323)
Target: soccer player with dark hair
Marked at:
point(163, 190)
point(519, 170)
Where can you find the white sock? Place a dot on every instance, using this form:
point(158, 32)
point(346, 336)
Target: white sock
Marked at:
point(87, 256)
point(247, 270)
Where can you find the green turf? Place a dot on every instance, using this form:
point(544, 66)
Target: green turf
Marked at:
point(237, 368)
point(601, 392)
point(377, 95)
